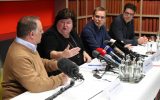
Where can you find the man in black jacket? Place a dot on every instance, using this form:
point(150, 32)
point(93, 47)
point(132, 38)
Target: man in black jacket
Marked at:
point(122, 27)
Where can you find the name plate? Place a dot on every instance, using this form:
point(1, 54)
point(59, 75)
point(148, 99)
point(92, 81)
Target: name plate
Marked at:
point(113, 89)
point(151, 61)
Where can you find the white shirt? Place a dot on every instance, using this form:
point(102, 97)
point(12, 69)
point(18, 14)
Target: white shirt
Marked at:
point(27, 44)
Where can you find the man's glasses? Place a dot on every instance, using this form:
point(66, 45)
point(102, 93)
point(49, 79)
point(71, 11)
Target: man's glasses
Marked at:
point(102, 17)
point(128, 14)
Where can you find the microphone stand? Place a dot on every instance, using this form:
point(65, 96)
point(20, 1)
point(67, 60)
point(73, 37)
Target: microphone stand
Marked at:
point(108, 67)
point(63, 89)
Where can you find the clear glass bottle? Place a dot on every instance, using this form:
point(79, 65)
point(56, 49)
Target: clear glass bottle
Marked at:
point(122, 70)
point(127, 67)
point(158, 42)
point(138, 70)
point(131, 71)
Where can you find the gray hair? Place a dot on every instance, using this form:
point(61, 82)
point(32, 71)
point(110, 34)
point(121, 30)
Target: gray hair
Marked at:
point(26, 24)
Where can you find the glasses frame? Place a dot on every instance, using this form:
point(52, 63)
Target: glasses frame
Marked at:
point(128, 14)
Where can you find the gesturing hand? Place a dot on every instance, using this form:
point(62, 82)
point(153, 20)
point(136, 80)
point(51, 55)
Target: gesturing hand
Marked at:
point(67, 53)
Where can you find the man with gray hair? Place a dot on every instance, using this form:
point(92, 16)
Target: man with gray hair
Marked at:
point(24, 70)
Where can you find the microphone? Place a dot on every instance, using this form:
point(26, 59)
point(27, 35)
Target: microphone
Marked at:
point(101, 54)
point(69, 68)
point(110, 52)
point(121, 45)
point(63, 89)
point(115, 48)
point(101, 51)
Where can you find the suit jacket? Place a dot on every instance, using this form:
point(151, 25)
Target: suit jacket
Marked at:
point(120, 30)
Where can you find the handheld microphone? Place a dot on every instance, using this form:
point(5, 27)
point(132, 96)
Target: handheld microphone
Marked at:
point(110, 52)
point(106, 57)
point(115, 48)
point(69, 68)
point(101, 51)
point(121, 45)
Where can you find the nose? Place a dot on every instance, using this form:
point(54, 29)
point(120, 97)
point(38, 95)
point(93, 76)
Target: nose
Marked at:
point(65, 24)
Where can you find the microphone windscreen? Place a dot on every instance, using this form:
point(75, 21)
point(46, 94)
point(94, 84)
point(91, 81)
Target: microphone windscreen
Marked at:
point(119, 43)
point(107, 42)
point(67, 66)
point(110, 43)
point(101, 51)
point(112, 40)
point(95, 53)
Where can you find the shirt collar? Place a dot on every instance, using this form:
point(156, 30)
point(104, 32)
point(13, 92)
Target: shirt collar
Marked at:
point(27, 44)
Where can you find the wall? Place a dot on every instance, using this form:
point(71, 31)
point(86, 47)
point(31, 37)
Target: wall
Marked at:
point(12, 11)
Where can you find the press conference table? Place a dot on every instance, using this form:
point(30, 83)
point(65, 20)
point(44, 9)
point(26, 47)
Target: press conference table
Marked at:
point(107, 88)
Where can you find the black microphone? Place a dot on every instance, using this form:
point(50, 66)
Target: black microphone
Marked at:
point(121, 45)
point(96, 54)
point(63, 89)
point(69, 68)
point(115, 48)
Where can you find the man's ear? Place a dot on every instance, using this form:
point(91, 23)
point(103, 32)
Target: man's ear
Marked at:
point(31, 34)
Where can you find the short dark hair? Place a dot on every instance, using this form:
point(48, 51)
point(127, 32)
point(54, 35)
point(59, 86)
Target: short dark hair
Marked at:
point(26, 24)
point(66, 14)
point(130, 6)
point(98, 9)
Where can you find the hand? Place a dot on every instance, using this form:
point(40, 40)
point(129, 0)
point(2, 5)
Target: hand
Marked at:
point(142, 40)
point(129, 46)
point(145, 39)
point(64, 78)
point(68, 53)
point(87, 58)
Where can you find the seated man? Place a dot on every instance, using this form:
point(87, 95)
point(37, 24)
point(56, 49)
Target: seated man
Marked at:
point(95, 33)
point(122, 27)
point(24, 70)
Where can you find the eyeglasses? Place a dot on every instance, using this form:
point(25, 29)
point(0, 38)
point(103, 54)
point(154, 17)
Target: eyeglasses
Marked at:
point(102, 17)
point(128, 14)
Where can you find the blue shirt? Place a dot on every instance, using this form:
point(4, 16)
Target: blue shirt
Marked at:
point(93, 37)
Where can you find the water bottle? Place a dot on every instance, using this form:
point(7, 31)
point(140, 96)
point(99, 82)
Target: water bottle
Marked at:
point(131, 71)
point(122, 70)
point(158, 42)
point(127, 67)
point(138, 70)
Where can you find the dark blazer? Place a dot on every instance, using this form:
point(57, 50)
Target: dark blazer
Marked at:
point(120, 30)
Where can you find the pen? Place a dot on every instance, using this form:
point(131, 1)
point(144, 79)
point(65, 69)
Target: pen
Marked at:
point(95, 65)
point(95, 95)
